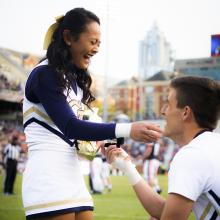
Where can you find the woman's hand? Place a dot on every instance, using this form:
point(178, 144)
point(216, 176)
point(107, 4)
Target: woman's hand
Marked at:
point(145, 132)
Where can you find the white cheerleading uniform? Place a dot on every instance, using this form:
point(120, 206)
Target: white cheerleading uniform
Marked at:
point(195, 174)
point(52, 180)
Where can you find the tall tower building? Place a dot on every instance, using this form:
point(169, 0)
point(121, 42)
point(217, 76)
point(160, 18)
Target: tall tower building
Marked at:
point(155, 54)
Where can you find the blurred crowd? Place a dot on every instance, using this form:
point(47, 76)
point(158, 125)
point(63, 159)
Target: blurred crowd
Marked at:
point(165, 152)
point(5, 84)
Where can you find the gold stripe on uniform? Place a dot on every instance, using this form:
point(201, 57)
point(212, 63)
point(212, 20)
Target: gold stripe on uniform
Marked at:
point(38, 112)
point(51, 204)
point(206, 211)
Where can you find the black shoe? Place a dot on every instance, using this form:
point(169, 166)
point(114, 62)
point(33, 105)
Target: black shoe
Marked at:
point(96, 192)
point(159, 191)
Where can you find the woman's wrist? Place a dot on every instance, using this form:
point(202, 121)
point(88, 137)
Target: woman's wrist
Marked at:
point(122, 130)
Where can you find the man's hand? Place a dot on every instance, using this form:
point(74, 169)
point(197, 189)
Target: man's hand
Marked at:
point(122, 161)
point(117, 157)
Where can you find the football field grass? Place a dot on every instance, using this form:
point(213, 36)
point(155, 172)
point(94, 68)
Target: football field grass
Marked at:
point(119, 204)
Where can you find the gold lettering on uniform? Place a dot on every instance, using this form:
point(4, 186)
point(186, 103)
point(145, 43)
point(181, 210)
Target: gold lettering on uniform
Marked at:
point(79, 107)
point(80, 113)
point(75, 103)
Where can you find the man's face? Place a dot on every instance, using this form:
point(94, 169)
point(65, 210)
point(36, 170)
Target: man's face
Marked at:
point(173, 116)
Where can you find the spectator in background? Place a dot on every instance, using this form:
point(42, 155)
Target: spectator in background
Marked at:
point(106, 174)
point(11, 156)
point(151, 165)
point(96, 181)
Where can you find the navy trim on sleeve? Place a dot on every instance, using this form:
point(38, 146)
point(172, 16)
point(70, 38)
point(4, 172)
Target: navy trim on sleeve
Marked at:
point(214, 196)
point(214, 215)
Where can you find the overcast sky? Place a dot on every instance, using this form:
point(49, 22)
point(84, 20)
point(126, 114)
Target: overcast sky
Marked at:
point(187, 25)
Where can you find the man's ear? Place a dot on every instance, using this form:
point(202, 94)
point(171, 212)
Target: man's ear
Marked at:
point(67, 37)
point(187, 113)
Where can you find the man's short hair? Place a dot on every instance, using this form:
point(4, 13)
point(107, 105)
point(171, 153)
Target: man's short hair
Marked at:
point(202, 95)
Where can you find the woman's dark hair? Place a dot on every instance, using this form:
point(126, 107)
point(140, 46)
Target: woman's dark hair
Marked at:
point(59, 56)
point(202, 95)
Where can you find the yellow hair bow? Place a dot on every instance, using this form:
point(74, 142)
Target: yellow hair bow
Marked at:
point(50, 31)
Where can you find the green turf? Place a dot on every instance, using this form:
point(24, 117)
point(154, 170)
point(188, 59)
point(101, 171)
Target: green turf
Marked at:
point(120, 204)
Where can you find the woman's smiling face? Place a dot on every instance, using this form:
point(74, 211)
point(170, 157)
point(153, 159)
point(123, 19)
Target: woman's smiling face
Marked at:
point(86, 46)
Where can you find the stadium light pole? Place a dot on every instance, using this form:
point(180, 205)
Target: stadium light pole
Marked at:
point(105, 99)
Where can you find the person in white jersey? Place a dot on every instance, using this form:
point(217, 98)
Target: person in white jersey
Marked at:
point(151, 165)
point(56, 92)
point(191, 112)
